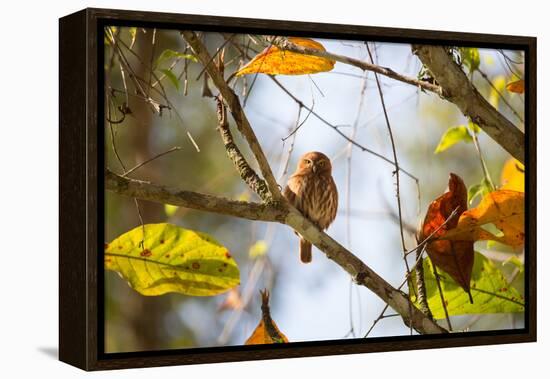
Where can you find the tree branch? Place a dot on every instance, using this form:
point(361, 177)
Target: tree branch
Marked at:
point(457, 89)
point(193, 200)
point(279, 212)
point(236, 111)
point(284, 44)
point(247, 174)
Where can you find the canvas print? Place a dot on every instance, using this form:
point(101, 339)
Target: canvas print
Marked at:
point(269, 189)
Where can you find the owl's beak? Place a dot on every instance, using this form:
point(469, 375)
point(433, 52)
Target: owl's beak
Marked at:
point(314, 168)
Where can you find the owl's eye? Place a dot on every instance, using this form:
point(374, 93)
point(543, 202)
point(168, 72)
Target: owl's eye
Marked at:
point(322, 163)
point(307, 161)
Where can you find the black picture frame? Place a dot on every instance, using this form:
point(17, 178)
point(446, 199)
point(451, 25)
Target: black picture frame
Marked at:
point(81, 165)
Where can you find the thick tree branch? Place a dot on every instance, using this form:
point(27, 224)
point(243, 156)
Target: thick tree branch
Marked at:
point(236, 111)
point(282, 213)
point(460, 91)
point(284, 44)
point(192, 200)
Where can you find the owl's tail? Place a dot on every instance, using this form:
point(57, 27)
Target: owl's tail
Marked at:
point(305, 251)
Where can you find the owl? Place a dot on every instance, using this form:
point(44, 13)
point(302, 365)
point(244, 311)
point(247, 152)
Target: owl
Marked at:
point(313, 192)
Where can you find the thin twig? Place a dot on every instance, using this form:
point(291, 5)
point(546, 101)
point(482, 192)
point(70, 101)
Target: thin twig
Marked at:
point(285, 44)
point(126, 173)
point(441, 296)
point(396, 163)
point(500, 95)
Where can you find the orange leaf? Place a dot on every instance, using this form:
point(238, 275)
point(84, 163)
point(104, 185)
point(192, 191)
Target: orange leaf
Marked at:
point(456, 258)
point(266, 331)
point(513, 175)
point(517, 87)
point(503, 209)
point(274, 61)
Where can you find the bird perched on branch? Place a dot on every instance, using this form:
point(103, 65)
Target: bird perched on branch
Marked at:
point(313, 192)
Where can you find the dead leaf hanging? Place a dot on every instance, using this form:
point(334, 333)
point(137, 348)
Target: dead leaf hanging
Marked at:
point(274, 61)
point(266, 331)
point(456, 258)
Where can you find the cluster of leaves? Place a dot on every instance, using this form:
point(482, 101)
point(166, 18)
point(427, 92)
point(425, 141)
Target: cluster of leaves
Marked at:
point(160, 258)
point(474, 284)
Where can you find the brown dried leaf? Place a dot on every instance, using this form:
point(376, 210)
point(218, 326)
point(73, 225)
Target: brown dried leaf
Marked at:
point(456, 258)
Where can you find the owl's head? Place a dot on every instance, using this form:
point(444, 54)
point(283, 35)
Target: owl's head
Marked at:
point(315, 162)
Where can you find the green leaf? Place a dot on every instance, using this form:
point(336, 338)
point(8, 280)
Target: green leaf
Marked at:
point(173, 79)
point(470, 58)
point(480, 189)
point(453, 136)
point(172, 259)
point(474, 127)
point(169, 54)
point(490, 291)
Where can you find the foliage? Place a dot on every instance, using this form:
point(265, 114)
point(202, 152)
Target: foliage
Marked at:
point(491, 292)
point(172, 259)
point(505, 209)
point(517, 86)
point(454, 257)
point(470, 58)
point(274, 61)
point(513, 175)
point(267, 331)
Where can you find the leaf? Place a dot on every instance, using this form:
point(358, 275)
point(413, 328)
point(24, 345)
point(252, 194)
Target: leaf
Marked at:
point(474, 127)
point(169, 54)
point(258, 249)
point(170, 209)
point(490, 291)
point(172, 259)
point(470, 57)
point(513, 175)
point(517, 86)
point(480, 189)
point(502, 210)
point(454, 257)
point(273, 61)
point(453, 136)
point(173, 79)
point(266, 331)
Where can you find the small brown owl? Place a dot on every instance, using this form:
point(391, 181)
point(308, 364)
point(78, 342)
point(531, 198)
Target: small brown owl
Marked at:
point(313, 192)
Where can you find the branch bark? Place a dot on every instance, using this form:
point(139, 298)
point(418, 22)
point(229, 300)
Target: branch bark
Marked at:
point(284, 214)
point(284, 44)
point(236, 111)
point(192, 200)
point(457, 89)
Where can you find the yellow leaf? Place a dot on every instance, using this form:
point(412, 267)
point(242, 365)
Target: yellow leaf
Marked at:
point(513, 175)
point(517, 86)
point(499, 217)
point(160, 258)
point(170, 209)
point(266, 331)
point(274, 61)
